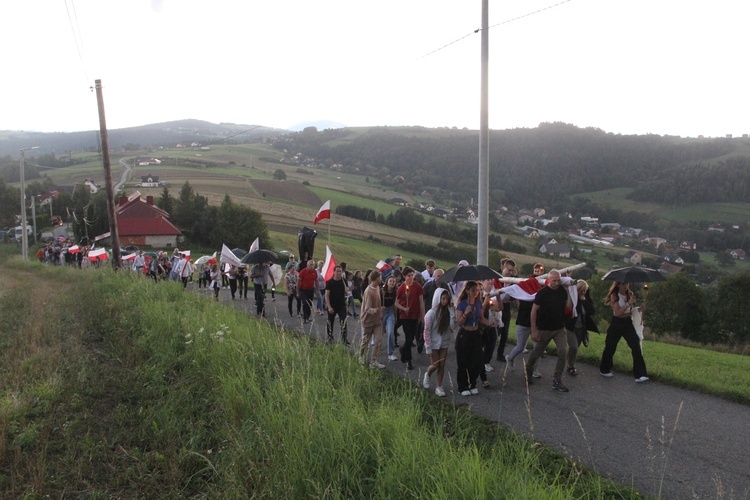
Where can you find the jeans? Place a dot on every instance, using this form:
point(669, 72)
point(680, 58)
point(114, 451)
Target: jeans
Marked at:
point(259, 298)
point(410, 330)
point(319, 297)
point(572, 347)
point(623, 328)
point(341, 312)
point(307, 297)
point(468, 358)
point(292, 297)
point(389, 321)
point(522, 338)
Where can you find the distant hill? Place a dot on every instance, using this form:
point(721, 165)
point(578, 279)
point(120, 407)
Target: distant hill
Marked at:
point(543, 166)
point(145, 136)
point(320, 125)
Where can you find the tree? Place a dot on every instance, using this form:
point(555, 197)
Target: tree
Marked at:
point(730, 313)
point(677, 306)
point(166, 201)
point(238, 226)
point(279, 175)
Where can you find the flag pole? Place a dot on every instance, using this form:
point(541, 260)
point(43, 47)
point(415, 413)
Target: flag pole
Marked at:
point(329, 230)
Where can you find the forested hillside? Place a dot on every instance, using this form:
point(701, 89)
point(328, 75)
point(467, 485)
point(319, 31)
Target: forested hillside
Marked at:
point(545, 164)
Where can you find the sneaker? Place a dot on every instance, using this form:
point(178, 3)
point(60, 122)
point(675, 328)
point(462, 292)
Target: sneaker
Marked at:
point(377, 365)
point(439, 392)
point(640, 380)
point(608, 374)
point(465, 393)
point(392, 357)
point(426, 381)
point(536, 374)
point(525, 351)
point(558, 386)
point(572, 371)
point(409, 366)
point(488, 368)
point(474, 391)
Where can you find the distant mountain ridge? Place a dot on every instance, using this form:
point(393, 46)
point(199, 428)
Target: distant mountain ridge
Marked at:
point(146, 136)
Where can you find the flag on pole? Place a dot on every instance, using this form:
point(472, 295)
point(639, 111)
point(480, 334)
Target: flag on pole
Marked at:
point(98, 254)
point(329, 266)
point(324, 212)
point(228, 257)
point(255, 246)
point(74, 249)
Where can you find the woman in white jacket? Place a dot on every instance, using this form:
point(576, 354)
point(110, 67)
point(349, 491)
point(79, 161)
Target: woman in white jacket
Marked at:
point(439, 325)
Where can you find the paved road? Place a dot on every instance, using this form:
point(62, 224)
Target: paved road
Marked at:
point(660, 439)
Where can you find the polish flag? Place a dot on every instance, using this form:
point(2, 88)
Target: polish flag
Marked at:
point(99, 253)
point(129, 257)
point(324, 212)
point(255, 246)
point(382, 265)
point(329, 266)
point(74, 249)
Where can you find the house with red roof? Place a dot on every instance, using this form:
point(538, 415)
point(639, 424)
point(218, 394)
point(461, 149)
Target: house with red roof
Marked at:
point(143, 224)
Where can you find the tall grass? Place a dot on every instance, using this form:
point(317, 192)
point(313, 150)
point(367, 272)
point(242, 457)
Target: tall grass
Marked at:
point(137, 389)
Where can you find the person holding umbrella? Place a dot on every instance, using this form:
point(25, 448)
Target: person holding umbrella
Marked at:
point(469, 315)
point(622, 300)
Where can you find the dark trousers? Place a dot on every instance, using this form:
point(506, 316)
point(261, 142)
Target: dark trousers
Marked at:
point(341, 313)
point(259, 299)
point(623, 328)
point(233, 286)
point(468, 359)
point(503, 332)
point(243, 282)
point(292, 297)
point(307, 297)
point(410, 331)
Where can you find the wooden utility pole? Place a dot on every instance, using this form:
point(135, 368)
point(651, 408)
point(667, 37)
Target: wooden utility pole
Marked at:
point(114, 236)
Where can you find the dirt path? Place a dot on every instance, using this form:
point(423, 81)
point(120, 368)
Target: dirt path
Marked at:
point(662, 440)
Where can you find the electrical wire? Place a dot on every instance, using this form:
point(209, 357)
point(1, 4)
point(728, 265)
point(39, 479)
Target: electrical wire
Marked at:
point(507, 21)
point(77, 38)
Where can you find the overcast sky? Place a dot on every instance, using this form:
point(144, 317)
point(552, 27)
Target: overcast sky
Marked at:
point(629, 66)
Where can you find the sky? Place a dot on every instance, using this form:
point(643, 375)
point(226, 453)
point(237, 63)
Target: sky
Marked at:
point(666, 67)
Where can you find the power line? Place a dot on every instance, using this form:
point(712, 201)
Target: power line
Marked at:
point(496, 25)
point(77, 38)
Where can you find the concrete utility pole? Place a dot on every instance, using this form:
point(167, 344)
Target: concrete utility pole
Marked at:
point(483, 215)
point(114, 237)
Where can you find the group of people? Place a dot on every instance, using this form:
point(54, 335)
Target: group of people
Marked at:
point(473, 316)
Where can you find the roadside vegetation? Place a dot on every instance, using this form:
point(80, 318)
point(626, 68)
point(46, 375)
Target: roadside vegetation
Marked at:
point(114, 387)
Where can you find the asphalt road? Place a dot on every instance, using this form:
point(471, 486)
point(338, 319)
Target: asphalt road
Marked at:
point(659, 439)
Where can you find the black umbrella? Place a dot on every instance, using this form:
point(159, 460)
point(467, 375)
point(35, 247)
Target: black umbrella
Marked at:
point(466, 273)
point(259, 256)
point(239, 253)
point(634, 274)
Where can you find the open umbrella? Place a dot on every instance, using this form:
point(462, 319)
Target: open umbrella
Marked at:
point(239, 252)
point(634, 274)
point(259, 256)
point(203, 260)
point(466, 273)
point(149, 254)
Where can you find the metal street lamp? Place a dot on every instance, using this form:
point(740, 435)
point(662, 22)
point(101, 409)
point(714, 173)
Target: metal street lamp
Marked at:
point(24, 231)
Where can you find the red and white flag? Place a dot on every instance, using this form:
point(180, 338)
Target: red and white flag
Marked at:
point(98, 254)
point(324, 212)
point(74, 249)
point(254, 246)
point(329, 266)
point(129, 257)
point(382, 266)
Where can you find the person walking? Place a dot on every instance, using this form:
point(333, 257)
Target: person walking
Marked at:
point(260, 275)
point(372, 322)
point(335, 299)
point(215, 281)
point(232, 275)
point(411, 311)
point(577, 327)
point(291, 289)
point(548, 324)
point(307, 284)
point(439, 325)
point(622, 300)
point(469, 315)
point(388, 294)
point(242, 280)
